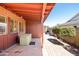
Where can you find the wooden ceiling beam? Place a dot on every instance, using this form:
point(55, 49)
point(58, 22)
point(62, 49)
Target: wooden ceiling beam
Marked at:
point(26, 11)
point(30, 10)
point(23, 6)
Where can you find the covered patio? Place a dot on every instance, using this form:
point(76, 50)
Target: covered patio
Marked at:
point(23, 18)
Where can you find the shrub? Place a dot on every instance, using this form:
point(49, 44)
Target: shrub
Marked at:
point(64, 31)
point(68, 31)
point(56, 30)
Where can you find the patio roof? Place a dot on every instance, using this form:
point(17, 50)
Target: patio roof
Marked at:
point(30, 11)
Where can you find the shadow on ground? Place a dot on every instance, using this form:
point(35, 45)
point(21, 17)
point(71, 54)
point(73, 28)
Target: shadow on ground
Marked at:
point(54, 41)
point(73, 50)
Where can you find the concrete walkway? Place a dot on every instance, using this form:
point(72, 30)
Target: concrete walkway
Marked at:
point(52, 47)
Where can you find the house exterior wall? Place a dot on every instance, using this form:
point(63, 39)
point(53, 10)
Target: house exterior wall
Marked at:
point(35, 28)
point(74, 21)
point(8, 39)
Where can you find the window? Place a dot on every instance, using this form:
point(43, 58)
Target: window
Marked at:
point(3, 25)
point(13, 26)
point(21, 27)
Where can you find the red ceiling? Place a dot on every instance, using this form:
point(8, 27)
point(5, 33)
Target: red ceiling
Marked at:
point(30, 11)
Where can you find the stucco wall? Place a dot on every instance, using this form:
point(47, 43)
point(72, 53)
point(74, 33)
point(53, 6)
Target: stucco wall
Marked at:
point(35, 28)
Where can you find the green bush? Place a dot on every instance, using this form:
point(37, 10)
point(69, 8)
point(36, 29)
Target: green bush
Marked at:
point(56, 30)
point(64, 31)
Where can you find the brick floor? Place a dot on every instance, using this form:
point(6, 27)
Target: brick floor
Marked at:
point(51, 49)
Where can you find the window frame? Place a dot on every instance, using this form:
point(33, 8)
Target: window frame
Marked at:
point(19, 26)
point(12, 19)
point(6, 27)
point(22, 27)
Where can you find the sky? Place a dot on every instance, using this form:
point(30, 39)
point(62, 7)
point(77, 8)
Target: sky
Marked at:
point(61, 13)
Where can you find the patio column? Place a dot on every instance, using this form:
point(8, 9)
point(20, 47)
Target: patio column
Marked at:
point(42, 20)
